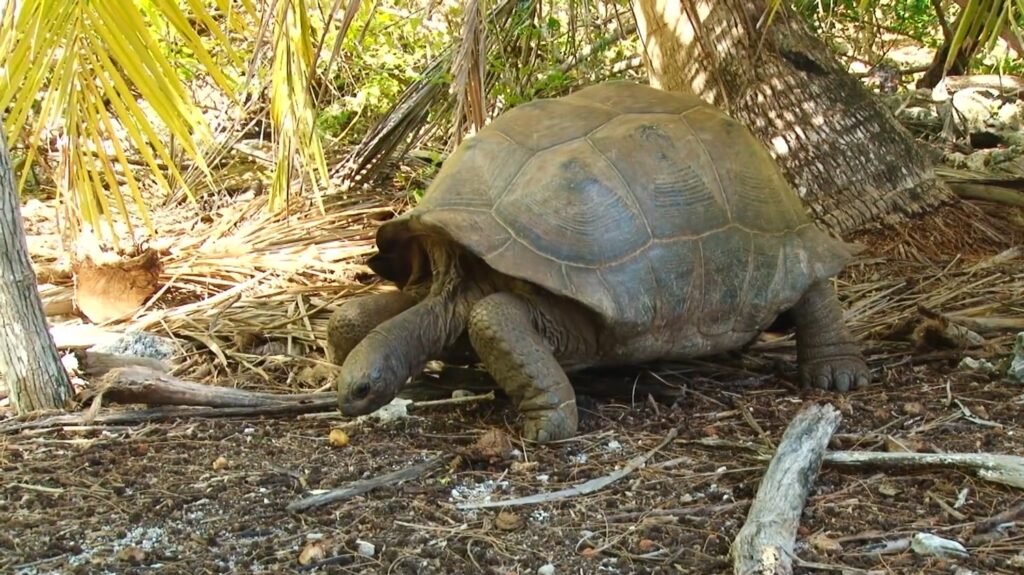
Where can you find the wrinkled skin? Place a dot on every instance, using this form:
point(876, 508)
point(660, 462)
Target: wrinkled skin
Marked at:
point(528, 342)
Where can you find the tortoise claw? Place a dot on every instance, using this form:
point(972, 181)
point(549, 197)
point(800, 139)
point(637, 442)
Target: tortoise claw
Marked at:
point(544, 425)
point(840, 374)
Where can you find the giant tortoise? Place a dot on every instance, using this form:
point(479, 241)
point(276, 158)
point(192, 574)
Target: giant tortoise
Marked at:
point(620, 224)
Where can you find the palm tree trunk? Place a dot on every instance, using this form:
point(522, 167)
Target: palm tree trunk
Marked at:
point(28, 356)
point(845, 154)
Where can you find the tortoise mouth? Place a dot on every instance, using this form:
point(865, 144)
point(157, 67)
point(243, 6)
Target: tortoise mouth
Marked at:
point(360, 398)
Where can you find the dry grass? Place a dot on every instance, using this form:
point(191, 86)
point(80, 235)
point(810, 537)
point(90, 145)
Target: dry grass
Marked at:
point(236, 277)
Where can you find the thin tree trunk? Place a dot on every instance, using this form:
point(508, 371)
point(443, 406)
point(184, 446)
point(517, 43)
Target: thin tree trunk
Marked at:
point(28, 357)
point(845, 154)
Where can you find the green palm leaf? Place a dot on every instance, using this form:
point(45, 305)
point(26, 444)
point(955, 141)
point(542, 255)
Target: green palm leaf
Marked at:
point(79, 69)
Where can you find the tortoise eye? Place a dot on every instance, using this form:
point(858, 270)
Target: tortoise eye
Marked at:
point(361, 390)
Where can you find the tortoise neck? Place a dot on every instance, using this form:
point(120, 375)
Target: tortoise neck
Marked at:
point(419, 334)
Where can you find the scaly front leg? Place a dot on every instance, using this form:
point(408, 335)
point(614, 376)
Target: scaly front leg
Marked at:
point(518, 339)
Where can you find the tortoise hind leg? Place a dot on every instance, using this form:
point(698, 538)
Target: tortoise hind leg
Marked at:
point(518, 340)
point(828, 356)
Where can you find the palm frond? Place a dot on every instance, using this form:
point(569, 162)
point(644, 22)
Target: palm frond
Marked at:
point(468, 72)
point(77, 70)
point(291, 103)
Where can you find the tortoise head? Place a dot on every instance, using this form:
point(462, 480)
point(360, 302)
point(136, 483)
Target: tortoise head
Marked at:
point(370, 378)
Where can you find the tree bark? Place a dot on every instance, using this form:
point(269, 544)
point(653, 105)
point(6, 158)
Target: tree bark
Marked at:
point(845, 154)
point(28, 357)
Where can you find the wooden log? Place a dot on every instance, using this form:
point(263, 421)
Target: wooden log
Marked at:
point(1003, 84)
point(140, 384)
point(94, 364)
point(766, 541)
point(997, 467)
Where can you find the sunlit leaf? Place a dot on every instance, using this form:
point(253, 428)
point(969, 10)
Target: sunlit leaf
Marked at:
point(76, 70)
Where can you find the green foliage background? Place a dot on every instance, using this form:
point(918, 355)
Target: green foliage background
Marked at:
point(152, 100)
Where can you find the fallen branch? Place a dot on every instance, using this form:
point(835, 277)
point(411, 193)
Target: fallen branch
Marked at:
point(135, 417)
point(1005, 469)
point(1012, 515)
point(988, 193)
point(94, 364)
point(765, 542)
point(584, 488)
point(1004, 84)
point(139, 384)
point(144, 385)
point(359, 487)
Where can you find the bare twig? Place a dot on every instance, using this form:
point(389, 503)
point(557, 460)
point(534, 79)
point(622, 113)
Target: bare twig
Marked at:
point(765, 542)
point(359, 487)
point(134, 417)
point(1013, 514)
point(692, 510)
point(1005, 469)
point(584, 488)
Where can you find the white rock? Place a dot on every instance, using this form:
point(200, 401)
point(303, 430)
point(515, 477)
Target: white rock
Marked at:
point(365, 548)
point(928, 544)
point(982, 365)
point(547, 569)
point(975, 106)
point(1016, 370)
point(397, 409)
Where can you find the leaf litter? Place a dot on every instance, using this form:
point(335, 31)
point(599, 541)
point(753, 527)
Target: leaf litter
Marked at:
point(153, 497)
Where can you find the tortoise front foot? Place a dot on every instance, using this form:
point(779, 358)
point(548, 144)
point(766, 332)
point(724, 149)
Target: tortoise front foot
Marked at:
point(503, 333)
point(829, 357)
point(547, 423)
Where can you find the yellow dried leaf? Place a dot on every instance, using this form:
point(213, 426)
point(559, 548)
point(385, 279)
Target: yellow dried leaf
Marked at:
point(508, 521)
point(312, 552)
point(338, 438)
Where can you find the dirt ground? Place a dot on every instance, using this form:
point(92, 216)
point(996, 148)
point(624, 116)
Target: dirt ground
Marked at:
point(209, 496)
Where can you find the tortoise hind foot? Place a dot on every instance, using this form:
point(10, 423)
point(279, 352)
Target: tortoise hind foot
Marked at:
point(835, 370)
point(828, 356)
point(503, 329)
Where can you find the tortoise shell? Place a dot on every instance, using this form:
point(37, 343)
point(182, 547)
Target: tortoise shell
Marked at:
point(644, 205)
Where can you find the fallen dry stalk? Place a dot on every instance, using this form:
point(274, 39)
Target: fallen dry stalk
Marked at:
point(359, 487)
point(765, 542)
point(1005, 469)
point(585, 488)
point(138, 384)
point(143, 384)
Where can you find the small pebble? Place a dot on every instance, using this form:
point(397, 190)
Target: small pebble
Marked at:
point(548, 569)
point(366, 548)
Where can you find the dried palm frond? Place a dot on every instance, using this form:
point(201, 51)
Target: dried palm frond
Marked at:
point(408, 114)
point(291, 104)
point(468, 70)
point(90, 62)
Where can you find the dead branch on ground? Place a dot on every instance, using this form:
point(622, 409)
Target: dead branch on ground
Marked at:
point(179, 398)
point(359, 487)
point(1005, 469)
point(765, 542)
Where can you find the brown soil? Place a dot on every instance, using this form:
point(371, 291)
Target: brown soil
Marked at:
point(210, 496)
